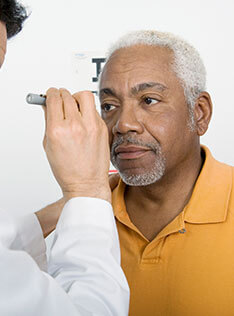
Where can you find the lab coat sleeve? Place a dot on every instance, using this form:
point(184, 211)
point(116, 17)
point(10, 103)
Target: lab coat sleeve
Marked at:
point(86, 246)
point(84, 262)
point(25, 234)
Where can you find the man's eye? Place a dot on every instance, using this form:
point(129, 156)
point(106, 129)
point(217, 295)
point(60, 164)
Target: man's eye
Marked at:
point(107, 107)
point(150, 101)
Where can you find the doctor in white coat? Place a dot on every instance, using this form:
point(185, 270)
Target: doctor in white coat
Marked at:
point(85, 277)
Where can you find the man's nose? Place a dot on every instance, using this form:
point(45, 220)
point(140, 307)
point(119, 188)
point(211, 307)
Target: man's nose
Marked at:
point(128, 121)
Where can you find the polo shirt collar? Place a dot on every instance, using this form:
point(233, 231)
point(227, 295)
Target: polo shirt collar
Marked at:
point(208, 203)
point(119, 206)
point(210, 198)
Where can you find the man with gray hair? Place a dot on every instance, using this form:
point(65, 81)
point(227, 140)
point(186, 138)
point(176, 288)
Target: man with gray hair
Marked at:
point(174, 204)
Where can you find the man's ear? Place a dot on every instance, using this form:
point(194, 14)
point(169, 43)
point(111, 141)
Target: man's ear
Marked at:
point(203, 112)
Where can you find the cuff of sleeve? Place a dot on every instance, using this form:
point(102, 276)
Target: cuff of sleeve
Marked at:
point(86, 210)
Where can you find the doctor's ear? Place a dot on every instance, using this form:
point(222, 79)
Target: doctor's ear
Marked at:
point(202, 112)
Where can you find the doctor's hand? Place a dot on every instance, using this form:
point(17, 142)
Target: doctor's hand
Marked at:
point(76, 144)
point(49, 215)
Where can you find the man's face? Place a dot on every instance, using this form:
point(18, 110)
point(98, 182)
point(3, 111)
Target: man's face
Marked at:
point(144, 107)
point(3, 42)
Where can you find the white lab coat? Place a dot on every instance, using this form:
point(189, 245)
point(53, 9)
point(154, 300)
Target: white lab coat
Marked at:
point(86, 278)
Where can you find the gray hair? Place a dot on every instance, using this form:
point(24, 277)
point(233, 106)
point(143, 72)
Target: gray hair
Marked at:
point(187, 65)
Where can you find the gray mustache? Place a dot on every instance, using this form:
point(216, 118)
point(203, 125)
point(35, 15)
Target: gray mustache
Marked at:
point(130, 140)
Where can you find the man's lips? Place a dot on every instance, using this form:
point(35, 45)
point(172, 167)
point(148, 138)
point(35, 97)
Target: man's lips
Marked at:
point(130, 152)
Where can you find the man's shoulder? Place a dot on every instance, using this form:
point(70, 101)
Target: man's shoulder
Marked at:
point(226, 167)
point(227, 174)
point(214, 165)
point(216, 183)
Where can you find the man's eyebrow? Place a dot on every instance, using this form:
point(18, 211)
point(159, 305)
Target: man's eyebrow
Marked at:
point(145, 85)
point(138, 88)
point(107, 91)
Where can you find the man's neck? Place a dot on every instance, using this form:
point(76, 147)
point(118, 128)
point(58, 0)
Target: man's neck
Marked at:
point(153, 207)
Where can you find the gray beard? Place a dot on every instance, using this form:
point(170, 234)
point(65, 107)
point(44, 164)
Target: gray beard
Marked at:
point(151, 175)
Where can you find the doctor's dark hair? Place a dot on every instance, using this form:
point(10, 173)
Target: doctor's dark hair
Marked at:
point(13, 14)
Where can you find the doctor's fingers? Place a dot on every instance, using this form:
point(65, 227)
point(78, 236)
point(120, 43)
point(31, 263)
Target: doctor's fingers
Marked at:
point(54, 106)
point(70, 105)
point(87, 106)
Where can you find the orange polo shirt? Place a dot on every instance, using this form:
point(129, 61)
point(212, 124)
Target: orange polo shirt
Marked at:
point(188, 269)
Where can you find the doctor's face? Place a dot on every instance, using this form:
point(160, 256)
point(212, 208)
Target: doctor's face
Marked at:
point(3, 42)
point(143, 105)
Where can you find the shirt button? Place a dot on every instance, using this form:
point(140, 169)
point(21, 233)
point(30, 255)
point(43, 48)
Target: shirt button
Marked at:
point(182, 231)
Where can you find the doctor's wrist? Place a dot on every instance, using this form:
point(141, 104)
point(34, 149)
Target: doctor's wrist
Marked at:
point(94, 191)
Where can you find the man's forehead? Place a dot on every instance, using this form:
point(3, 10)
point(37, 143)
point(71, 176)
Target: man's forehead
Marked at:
point(139, 57)
point(138, 66)
point(140, 53)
